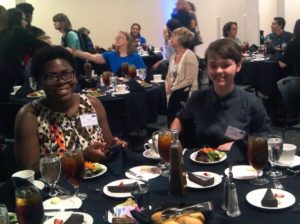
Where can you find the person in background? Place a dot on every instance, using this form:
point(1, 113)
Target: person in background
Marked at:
point(55, 120)
point(291, 55)
point(230, 31)
point(278, 39)
point(194, 25)
point(183, 65)
point(28, 11)
point(181, 13)
point(89, 42)
point(135, 32)
point(15, 43)
point(125, 53)
point(223, 109)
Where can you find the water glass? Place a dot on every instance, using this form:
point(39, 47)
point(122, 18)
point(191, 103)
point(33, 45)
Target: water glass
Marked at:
point(3, 214)
point(29, 206)
point(275, 144)
point(50, 168)
point(141, 73)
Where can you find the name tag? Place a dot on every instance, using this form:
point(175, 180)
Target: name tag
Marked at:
point(88, 120)
point(234, 133)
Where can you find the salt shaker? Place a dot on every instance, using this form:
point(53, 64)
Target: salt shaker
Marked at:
point(233, 204)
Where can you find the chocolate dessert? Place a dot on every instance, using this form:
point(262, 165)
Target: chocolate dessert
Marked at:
point(124, 188)
point(269, 199)
point(203, 180)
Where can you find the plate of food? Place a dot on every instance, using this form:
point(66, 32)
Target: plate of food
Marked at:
point(93, 92)
point(150, 154)
point(72, 202)
point(270, 199)
point(121, 188)
point(201, 180)
point(62, 217)
point(145, 172)
point(36, 94)
point(208, 155)
point(93, 170)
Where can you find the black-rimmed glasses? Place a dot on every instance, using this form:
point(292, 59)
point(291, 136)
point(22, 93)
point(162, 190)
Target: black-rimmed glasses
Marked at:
point(52, 78)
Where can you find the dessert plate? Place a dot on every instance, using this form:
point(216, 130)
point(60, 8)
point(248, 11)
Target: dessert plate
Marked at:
point(194, 155)
point(65, 215)
point(117, 183)
point(121, 93)
point(69, 203)
point(145, 172)
point(191, 184)
point(254, 198)
point(295, 163)
point(242, 172)
point(160, 81)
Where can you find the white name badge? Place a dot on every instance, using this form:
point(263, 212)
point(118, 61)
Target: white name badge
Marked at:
point(88, 120)
point(234, 133)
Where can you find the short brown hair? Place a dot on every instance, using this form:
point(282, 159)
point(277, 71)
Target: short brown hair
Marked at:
point(226, 49)
point(62, 18)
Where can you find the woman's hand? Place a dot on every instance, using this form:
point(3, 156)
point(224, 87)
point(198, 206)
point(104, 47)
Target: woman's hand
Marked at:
point(168, 89)
point(117, 141)
point(95, 152)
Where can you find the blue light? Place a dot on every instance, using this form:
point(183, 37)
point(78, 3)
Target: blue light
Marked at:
point(167, 7)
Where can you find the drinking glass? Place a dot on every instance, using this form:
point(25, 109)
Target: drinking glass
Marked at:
point(141, 73)
point(155, 135)
point(29, 206)
point(164, 143)
point(258, 157)
point(106, 79)
point(124, 69)
point(132, 71)
point(50, 168)
point(114, 82)
point(275, 150)
point(73, 169)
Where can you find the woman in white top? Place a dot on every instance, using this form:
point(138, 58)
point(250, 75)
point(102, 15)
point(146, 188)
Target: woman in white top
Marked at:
point(183, 65)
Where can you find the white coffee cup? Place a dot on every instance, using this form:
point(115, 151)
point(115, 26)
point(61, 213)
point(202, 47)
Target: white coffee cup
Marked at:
point(288, 154)
point(149, 145)
point(25, 174)
point(157, 77)
point(121, 88)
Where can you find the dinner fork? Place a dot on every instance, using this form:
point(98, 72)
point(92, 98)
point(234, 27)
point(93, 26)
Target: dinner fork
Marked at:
point(277, 184)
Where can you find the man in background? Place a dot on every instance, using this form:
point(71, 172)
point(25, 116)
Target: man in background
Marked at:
point(28, 11)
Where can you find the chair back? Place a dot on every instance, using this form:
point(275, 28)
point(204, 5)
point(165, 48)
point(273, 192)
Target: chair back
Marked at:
point(289, 89)
point(8, 112)
point(177, 98)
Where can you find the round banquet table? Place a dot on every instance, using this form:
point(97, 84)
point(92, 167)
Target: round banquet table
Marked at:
point(97, 203)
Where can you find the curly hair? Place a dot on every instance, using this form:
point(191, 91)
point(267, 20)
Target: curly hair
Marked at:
point(184, 36)
point(46, 54)
point(226, 49)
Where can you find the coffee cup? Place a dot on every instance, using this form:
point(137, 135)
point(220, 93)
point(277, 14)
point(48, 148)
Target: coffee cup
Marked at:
point(25, 174)
point(288, 154)
point(121, 88)
point(149, 145)
point(157, 77)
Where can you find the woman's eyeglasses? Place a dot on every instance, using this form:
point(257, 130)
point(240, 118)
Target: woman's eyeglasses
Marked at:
point(52, 78)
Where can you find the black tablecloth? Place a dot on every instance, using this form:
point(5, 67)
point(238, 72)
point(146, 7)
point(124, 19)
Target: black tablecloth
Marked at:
point(262, 75)
point(97, 203)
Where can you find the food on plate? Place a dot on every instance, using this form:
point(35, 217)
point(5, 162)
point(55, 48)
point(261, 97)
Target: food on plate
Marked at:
point(203, 179)
point(269, 199)
point(208, 154)
point(280, 198)
point(121, 212)
point(89, 90)
point(149, 169)
point(35, 94)
point(123, 188)
point(55, 200)
point(58, 221)
point(191, 218)
point(92, 169)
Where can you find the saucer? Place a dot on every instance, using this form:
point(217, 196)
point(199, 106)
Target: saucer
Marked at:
point(121, 93)
point(160, 81)
point(150, 155)
point(295, 163)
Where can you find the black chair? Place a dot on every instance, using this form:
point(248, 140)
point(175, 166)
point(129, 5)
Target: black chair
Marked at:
point(177, 98)
point(289, 89)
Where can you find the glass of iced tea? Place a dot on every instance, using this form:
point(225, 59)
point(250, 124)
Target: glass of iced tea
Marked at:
point(258, 157)
point(164, 143)
point(132, 71)
point(29, 205)
point(73, 169)
point(124, 69)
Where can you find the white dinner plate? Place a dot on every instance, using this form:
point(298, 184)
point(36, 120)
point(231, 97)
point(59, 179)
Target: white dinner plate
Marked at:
point(121, 93)
point(65, 215)
point(191, 184)
point(103, 171)
point(39, 184)
point(69, 203)
point(145, 172)
point(37, 94)
point(160, 81)
point(150, 155)
point(194, 155)
point(295, 163)
point(255, 197)
point(242, 172)
point(117, 183)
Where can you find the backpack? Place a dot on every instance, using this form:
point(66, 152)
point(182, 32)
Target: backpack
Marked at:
point(86, 43)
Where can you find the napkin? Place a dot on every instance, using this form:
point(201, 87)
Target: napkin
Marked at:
point(134, 86)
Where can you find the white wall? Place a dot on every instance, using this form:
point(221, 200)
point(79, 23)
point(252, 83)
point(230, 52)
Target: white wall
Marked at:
point(8, 3)
point(292, 14)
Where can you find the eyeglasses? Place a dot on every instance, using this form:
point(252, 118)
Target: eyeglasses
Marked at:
point(52, 78)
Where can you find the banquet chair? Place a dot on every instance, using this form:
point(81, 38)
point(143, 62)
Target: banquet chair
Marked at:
point(177, 98)
point(289, 89)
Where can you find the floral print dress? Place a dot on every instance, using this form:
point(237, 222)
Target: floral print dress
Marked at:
point(59, 132)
